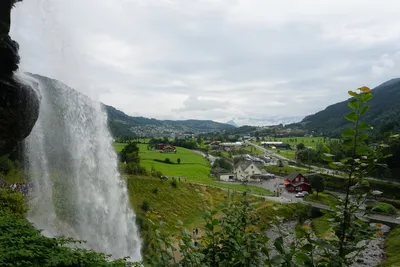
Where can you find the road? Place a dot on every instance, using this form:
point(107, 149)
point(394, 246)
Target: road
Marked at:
point(317, 169)
point(211, 158)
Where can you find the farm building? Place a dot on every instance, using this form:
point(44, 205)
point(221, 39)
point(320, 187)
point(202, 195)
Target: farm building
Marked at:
point(227, 177)
point(296, 182)
point(166, 148)
point(214, 145)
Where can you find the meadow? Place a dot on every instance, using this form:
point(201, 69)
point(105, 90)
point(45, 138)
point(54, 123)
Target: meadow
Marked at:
point(307, 141)
point(194, 167)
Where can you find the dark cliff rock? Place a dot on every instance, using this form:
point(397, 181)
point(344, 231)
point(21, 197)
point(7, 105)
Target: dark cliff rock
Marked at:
point(19, 105)
point(19, 110)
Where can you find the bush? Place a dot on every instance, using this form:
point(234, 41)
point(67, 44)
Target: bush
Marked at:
point(23, 245)
point(12, 202)
point(166, 161)
point(134, 168)
point(383, 208)
point(145, 206)
point(174, 183)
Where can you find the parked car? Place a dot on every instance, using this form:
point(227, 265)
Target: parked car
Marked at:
point(300, 194)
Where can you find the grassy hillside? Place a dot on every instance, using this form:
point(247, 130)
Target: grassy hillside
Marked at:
point(194, 167)
point(187, 201)
point(169, 204)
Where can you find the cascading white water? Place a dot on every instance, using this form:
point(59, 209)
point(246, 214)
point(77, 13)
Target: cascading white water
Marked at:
point(76, 188)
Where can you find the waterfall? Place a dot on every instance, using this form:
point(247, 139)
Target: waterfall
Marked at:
point(76, 188)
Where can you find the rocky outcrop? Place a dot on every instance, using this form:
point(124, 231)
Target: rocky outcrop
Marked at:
point(19, 105)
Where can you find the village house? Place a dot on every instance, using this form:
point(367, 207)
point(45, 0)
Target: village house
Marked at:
point(214, 145)
point(250, 171)
point(166, 148)
point(296, 182)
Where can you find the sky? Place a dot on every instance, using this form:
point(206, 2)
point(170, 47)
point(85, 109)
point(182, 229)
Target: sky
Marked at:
point(254, 61)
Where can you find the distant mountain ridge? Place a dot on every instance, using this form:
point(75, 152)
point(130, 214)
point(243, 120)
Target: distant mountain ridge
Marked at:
point(384, 108)
point(122, 124)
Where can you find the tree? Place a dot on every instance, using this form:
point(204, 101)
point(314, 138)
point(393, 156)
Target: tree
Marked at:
point(224, 164)
point(178, 160)
point(318, 183)
point(300, 146)
point(130, 154)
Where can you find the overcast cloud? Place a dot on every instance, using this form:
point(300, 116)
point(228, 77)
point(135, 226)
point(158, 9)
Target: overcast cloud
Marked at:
point(211, 59)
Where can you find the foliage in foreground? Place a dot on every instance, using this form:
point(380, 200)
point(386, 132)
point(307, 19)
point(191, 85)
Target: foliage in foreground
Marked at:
point(22, 245)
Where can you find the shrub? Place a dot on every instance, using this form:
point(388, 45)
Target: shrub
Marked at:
point(174, 183)
point(12, 201)
point(134, 168)
point(145, 206)
point(383, 208)
point(166, 161)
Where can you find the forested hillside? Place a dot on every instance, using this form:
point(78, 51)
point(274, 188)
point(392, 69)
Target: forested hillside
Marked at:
point(385, 109)
point(124, 125)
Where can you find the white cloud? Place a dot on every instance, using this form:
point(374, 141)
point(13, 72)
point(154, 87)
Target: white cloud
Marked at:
point(211, 59)
point(193, 103)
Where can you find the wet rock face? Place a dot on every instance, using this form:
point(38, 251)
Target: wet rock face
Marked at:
point(19, 110)
point(19, 105)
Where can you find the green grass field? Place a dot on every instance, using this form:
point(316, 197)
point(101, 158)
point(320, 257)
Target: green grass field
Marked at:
point(194, 167)
point(284, 170)
point(287, 153)
point(292, 141)
point(322, 198)
point(254, 150)
point(307, 141)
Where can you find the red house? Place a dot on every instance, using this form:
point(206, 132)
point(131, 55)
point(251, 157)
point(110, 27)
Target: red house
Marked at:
point(166, 148)
point(296, 182)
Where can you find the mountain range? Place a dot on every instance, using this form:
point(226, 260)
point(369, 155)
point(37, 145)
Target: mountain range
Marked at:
point(384, 109)
point(122, 124)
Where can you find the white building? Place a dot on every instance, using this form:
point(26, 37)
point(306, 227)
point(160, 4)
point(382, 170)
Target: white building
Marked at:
point(250, 171)
point(227, 177)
